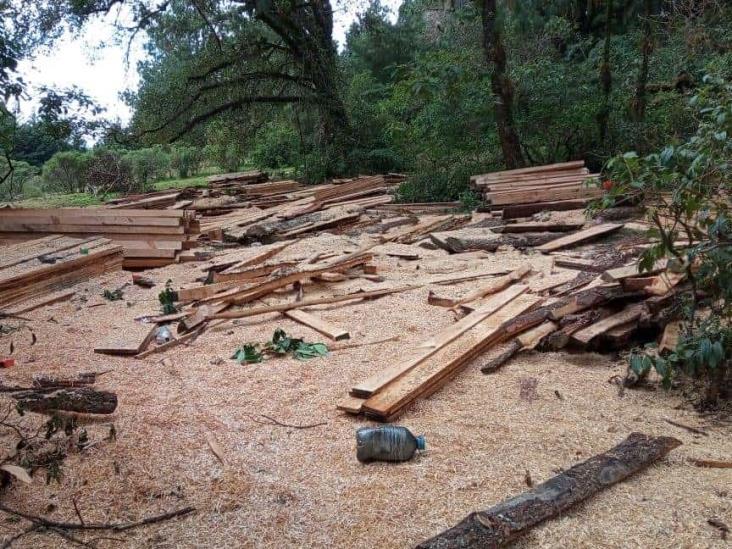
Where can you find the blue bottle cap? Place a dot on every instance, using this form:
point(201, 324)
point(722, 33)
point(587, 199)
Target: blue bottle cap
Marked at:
point(421, 442)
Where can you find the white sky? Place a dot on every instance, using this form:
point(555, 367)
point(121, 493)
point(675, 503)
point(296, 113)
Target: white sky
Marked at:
point(95, 60)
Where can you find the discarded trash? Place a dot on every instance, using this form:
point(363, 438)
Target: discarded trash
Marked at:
point(163, 335)
point(388, 443)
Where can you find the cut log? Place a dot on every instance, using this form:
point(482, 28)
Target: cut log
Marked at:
point(580, 237)
point(83, 400)
point(526, 341)
point(571, 324)
point(629, 314)
point(81, 380)
point(512, 518)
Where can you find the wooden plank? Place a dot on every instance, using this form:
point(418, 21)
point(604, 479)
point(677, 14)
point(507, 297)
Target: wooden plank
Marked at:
point(512, 211)
point(630, 271)
point(318, 324)
point(544, 195)
point(132, 340)
point(579, 237)
point(495, 285)
point(50, 300)
point(552, 281)
point(629, 314)
point(429, 347)
point(538, 227)
point(350, 404)
point(97, 211)
point(309, 302)
point(574, 164)
point(576, 263)
point(431, 374)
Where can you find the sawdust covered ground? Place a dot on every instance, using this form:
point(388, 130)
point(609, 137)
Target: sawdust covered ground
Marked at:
point(287, 487)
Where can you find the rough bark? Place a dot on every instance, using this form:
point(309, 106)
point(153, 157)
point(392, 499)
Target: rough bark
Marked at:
point(82, 400)
point(47, 380)
point(606, 80)
point(498, 361)
point(501, 86)
point(503, 523)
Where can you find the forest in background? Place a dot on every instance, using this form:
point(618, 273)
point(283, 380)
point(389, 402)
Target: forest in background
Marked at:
point(439, 94)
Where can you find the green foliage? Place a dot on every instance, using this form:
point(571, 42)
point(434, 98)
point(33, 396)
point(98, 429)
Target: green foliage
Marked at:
point(687, 184)
point(281, 344)
point(22, 180)
point(276, 145)
point(186, 160)
point(248, 354)
point(147, 165)
point(167, 299)
point(67, 172)
point(113, 295)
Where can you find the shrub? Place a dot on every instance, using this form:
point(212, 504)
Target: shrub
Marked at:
point(146, 165)
point(66, 171)
point(22, 176)
point(109, 172)
point(186, 160)
point(687, 185)
point(275, 146)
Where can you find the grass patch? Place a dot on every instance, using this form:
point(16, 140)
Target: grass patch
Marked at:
point(61, 200)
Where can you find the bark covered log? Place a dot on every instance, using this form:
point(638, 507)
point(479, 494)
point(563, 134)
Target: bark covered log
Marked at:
point(83, 400)
point(503, 523)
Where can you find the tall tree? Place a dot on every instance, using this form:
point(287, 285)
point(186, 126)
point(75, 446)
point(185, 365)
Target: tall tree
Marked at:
point(606, 78)
point(213, 59)
point(501, 85)
point(638, 103)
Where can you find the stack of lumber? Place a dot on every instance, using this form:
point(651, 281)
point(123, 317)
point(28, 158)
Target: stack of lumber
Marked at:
point(555, 186)
point(34, 268)
point(154, 200)
point(149, 238)
point(234, 180)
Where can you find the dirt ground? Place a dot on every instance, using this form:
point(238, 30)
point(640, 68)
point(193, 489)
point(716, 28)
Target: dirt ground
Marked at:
point(287, 487)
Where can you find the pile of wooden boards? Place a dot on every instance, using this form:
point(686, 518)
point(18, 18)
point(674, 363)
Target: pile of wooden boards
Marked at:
point(31, 269)
point(237, 179)
point(567, 185)
point(149, 238)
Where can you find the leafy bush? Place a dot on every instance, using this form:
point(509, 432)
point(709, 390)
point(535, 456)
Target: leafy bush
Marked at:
point(275, 146)
point(146, 165)
point(22, 177)
point(66, 171)
point(186, 160)
point(687, 185)
point(109, 172)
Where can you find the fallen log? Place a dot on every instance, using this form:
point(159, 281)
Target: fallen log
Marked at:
point(82, 400)
point(503, 523)
point(47, 380)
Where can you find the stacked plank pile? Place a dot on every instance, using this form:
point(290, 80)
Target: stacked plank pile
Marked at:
point(234, 180)
point(31, 269)
point(149, 238)
point(155, 200)
point(555, 186)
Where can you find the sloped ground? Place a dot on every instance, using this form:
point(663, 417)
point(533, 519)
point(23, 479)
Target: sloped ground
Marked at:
point(287, 487)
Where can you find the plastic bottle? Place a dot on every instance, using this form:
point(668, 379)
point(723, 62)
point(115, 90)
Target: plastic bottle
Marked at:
point(163, 335)
point(388, 443)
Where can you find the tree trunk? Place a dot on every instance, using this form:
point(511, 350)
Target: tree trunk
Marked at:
point(83, 400)
point(638, 103)
point(606, 80)
point(501, 87)
point(503, 523)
